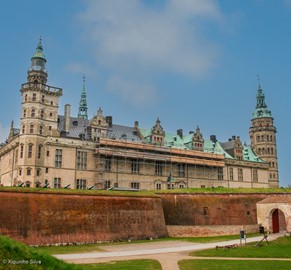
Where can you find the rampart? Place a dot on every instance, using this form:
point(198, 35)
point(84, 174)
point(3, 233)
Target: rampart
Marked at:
point(38, 219)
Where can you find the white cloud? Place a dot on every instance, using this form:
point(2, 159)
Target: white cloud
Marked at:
point(136, 93)
point(78, 68)
point(4, 132)
point(132, 37)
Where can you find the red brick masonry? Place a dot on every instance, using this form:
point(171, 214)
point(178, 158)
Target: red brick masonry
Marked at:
point(38, 219)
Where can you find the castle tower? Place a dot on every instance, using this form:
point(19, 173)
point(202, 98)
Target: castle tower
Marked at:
point(83, 103)
point(39, 113)
point(263, 137)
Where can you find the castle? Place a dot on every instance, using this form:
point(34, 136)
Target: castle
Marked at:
point(52, 150)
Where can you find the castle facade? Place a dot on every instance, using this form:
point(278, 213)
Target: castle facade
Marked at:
point(57, 151)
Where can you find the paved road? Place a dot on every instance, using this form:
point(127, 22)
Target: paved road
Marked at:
point(167, 252)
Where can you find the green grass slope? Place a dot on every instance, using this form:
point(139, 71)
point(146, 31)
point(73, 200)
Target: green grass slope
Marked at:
point(16, 255)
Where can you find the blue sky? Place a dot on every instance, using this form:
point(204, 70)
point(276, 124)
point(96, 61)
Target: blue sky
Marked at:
point(188, 62)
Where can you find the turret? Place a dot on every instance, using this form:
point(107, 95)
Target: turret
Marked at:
point(263, 137)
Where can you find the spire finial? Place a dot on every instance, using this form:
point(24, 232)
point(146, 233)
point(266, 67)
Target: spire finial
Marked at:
point(259, 81)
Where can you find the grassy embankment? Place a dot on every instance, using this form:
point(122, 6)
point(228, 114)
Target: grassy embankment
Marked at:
point(17, 256)
point(150, 193)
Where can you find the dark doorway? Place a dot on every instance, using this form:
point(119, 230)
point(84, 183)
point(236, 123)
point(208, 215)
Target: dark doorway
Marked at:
point(278, 221)
point(275, 221)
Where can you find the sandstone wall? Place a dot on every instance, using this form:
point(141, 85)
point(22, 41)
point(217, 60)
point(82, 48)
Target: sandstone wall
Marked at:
point(196, 231)
point(38, 219)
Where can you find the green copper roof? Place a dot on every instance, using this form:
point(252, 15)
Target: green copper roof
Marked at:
point(39, 51)
point(249, 154)
point(175, 141)
point(261, 110)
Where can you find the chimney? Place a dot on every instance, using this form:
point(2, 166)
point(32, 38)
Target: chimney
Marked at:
point(233, 137)
point(109, 120)
point(180, 132)
point(213, 138)
point(135, 124)
point(67, 118)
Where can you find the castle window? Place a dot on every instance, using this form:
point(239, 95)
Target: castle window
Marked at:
point(240, 174)
point(40, 130)
point(57, 182)
point(46, 170)
point(81, 160)
point(23, 129)
point(158, 168)
point(24, 113)
point(134, 166)
point(181, 186)
point(50, 128)
point(21, 151)
point(28, 171)
point(39, 151)
point(220, 173)
point(231, 174)
point(58, 158)
point(170, 186)
point(32, 112)
point(20, 172)
point(25, 98)
point(107, 164)
point(52, 103)
point(34, 97)
point(31, 128)
point(47, 153)
point(271, 138)
point(181, 170)
point(51, 114)
point(81, 184)
point(41, 114)
point(158, 186)
point(272, 151)
point(134, 185)
point(30, 146)
point(42, 98)
point(38, 172)
point(107, 184)
point(255, 175)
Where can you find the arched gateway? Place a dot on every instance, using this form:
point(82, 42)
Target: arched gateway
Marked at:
point(274, 213)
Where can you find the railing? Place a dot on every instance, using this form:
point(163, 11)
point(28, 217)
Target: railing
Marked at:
point(43, 87)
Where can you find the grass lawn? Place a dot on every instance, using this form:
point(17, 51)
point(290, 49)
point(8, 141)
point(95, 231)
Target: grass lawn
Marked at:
point(101, 247)
point(233, 265)
point(279, 248)
point(124, 265)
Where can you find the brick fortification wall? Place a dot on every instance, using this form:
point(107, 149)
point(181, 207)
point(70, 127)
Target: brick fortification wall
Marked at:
point(211, 209)
point(38, 219)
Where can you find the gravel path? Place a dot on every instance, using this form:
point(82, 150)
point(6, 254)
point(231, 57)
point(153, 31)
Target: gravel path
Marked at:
point(168, 253)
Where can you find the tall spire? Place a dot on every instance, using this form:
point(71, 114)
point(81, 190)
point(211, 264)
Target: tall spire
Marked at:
point(261, 106)
point(83, 103)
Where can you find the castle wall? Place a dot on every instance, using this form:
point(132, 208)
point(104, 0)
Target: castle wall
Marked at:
point(38, 219)
point(211, 209)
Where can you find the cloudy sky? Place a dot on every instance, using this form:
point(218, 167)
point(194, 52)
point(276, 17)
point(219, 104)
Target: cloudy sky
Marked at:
point(188, 62)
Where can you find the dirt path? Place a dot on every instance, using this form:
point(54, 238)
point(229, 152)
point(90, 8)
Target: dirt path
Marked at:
point(168, 253)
